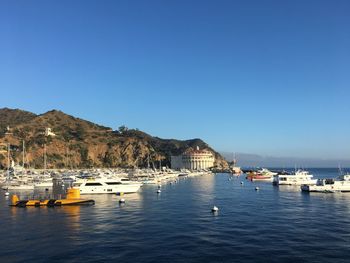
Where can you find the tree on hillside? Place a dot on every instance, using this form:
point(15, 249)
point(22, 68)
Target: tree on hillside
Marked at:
point(80, 132)
point(123, 129)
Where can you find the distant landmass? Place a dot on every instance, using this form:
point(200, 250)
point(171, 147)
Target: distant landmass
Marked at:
point(254, 160)
point(73, 142)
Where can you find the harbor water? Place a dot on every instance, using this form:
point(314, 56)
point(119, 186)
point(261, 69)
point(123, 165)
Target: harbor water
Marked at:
point(273, 224)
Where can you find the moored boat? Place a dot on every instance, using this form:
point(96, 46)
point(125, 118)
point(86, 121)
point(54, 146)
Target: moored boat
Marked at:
point(106, 186)
point(300, 177)
point(73, 198)
point(261, 175)
point(332, 185)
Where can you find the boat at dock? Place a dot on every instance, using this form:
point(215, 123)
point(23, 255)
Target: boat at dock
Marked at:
point(332, 185)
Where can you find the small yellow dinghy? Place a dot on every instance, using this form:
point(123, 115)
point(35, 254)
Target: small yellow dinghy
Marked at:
point(73, 198)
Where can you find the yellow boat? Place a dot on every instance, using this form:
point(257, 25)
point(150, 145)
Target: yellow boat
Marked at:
point(73, 198)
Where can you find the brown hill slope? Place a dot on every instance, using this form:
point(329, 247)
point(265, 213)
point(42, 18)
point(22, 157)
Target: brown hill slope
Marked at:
point(80, 143)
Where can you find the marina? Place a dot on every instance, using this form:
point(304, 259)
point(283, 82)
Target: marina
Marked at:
point(181, 216)
point(174, 131)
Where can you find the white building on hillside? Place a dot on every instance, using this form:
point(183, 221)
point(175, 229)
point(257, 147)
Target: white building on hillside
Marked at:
point(48, 132)
point(193, 159)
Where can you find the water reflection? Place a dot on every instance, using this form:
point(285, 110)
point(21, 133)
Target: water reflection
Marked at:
point(278, 223)
point(72, 218)
point(288, 188)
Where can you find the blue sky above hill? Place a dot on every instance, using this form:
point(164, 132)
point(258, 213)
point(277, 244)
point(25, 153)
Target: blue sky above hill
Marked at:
point(264, 77)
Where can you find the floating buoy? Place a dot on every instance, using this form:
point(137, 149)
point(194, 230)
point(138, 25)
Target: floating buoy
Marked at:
point(122, 201)
point(257, 188)
point(159, 186)
point(7, 194)
point(158, 191)
point(215, 209)
point(241, 183)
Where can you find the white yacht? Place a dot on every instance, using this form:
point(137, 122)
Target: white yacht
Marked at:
point(341, 184)
point(298, 178)
point(106, 186)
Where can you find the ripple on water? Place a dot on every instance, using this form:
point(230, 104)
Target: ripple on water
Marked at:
point(275, 224)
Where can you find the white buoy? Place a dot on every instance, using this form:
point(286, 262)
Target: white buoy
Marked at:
point(215, 209)
point(7, 194)
point(241, 183)
point(158, 191)
point(122, 201)
point(257, 188)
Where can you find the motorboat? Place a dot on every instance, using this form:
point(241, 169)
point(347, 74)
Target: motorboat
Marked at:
point(300, 177)
point(261, 175)
point(106, 186)
point(332, 185)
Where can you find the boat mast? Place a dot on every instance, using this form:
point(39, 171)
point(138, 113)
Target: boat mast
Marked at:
point(8, 161)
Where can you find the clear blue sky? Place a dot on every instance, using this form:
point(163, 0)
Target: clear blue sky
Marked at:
point(264, 77)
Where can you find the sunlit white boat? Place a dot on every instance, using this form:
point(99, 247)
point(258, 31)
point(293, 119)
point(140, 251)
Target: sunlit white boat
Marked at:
point(341, 184)
point(106, 186)
point(300, 177)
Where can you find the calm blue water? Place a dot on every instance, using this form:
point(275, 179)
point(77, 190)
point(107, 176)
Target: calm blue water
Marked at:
point(275, 224)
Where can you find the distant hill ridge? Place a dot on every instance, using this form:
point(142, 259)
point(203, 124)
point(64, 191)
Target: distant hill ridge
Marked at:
point(81, 143)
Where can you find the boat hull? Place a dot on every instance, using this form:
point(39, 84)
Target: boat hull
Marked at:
point(325, 188)
point(126, 189)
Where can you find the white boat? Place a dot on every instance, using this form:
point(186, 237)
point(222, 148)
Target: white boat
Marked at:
point(298, 178)
point(14, 187)
point(43, 185)
point(106, 186)
point(341, 184)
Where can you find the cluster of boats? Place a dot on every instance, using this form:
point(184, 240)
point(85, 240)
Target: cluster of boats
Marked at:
point(94, 181)
point(302, 178)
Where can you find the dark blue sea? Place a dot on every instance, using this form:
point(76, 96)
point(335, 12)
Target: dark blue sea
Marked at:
point(274, 224)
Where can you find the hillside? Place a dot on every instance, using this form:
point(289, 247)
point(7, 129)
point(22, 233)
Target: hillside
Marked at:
point(80, 143)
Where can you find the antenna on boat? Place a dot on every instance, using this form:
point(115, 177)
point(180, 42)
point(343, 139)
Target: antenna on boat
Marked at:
point(340, 170)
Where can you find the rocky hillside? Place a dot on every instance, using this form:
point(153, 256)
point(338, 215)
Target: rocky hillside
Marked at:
point(80, 143)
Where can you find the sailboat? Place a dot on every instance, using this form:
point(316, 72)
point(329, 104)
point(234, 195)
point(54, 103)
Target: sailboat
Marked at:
point(45, 180)
point(16, 181)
